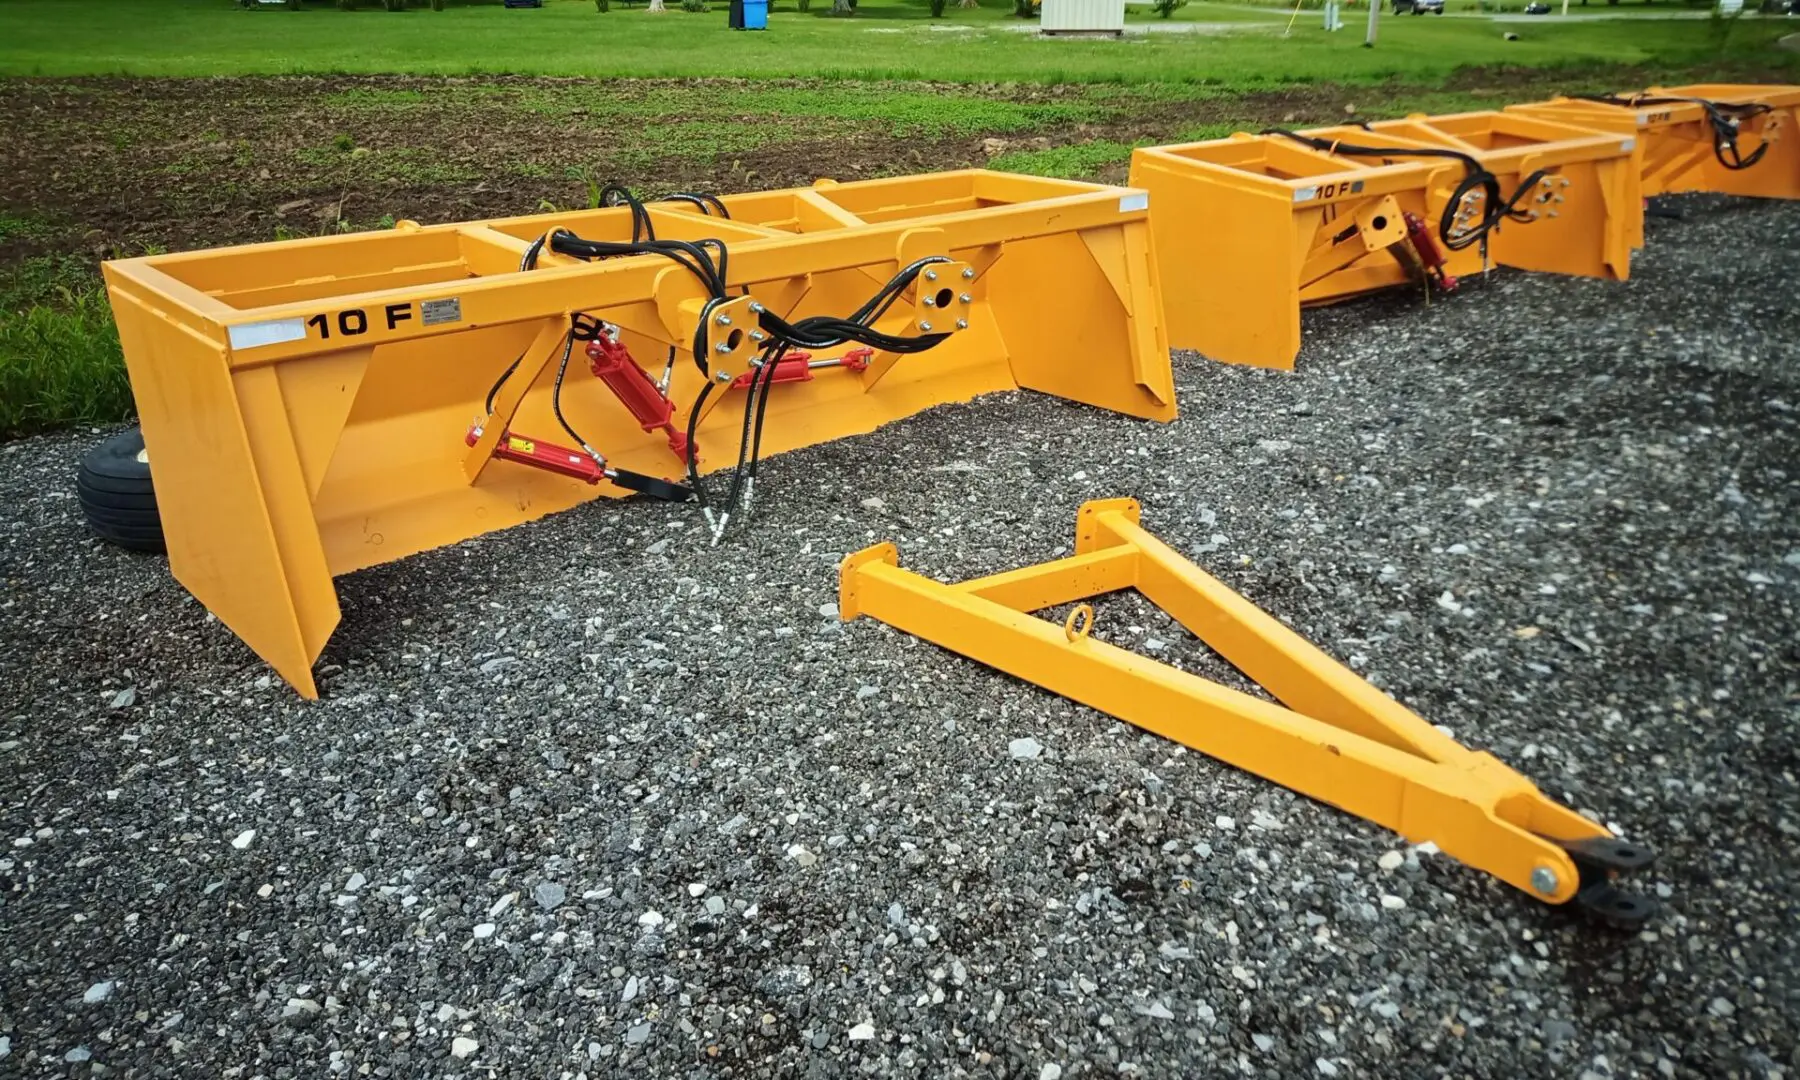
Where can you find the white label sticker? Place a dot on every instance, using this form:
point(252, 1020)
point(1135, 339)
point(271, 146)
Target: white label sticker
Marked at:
point(1305, 193)
point(273, 332)
point(1137, 200)
point(1628, 145)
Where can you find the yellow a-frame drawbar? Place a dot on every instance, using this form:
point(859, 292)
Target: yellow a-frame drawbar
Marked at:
point(1338, 740)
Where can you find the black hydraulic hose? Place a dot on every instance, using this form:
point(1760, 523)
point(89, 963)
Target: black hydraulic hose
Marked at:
point(761, 377)
point(706, 201)
point(695, 256)
point(1725, 118)
point(762, 408)
point(494, 390)
point(618, 195)
point(562, 368)
point(1476, 177)
point(693, 471)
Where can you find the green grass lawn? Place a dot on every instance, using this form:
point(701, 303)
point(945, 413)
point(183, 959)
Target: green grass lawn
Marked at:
point(1238, 46)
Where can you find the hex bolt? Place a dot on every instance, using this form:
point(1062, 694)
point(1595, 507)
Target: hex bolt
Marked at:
point(931, 275)
point(721, 347)
point(966, 298)
point(757, 335)
point(925, 326)
point(724, 320)
point(968, 273)
point(931, 301)
point(722, 376)
point(756, 307)
point(1543, 879)
point(962, 324)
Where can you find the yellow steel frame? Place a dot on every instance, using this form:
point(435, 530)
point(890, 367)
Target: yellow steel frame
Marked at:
point(1674, 141)
point(1338, 739)
point(306, 402)
point(1248, 229)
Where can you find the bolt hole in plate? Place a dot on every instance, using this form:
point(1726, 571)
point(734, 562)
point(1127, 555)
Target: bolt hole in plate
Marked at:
point(734, 339)
point(1617, 908)
point(1379, 222)
point(943, 298)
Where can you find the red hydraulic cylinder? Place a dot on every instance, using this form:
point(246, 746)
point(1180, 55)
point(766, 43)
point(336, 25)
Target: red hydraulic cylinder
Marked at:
point(797, 366)
point(1430, 254)
point(613, 363)
point(543, 455)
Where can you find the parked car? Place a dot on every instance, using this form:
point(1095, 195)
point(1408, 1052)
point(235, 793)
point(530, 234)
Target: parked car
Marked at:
point(1418, 7)
point(1537, 9)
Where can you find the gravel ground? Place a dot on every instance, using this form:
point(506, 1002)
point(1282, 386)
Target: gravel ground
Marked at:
point(593, 797)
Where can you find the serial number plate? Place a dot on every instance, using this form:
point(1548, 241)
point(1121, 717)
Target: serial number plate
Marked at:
point(438, 312)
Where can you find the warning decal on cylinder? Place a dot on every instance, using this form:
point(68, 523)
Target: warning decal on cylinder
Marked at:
point(438, 312)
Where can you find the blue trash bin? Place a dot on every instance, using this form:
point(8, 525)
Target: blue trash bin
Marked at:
point(756, 14)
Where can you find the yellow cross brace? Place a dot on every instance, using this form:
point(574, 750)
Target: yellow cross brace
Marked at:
point(1338, 740)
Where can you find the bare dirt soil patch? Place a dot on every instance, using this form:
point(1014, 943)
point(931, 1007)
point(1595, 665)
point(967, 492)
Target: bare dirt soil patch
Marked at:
point(118, 164)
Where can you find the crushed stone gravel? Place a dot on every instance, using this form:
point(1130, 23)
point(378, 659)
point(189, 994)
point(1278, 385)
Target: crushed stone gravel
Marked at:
point(1558, 517)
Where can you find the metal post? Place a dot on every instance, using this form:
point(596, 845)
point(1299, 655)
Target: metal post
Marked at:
point(1374, 14)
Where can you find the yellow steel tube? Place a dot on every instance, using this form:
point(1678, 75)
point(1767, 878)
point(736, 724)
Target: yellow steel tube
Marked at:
point(1454, 807)
point(1297, 672)
point(1034, 588)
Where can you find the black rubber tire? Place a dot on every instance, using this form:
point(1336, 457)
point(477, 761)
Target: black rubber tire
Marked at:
point(117, 498)
point(98, 495)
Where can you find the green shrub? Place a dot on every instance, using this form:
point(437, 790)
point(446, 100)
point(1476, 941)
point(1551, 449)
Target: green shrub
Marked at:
point(695, 7)
point(602, 6)
point(437, 5)
point(1166, 8)
point(60, 365)
point(937, 8)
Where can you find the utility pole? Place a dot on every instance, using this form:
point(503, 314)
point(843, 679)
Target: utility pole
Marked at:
point(1374, 13)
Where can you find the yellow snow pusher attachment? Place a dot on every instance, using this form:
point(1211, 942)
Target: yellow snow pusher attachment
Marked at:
point(1731, 140)
point(317, 406)
point(1334, 738)
point(1250, 228)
